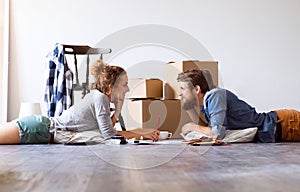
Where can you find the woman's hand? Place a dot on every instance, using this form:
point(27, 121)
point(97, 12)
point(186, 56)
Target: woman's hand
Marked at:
point(118, 103)
point(118, 106)
point(152, 134)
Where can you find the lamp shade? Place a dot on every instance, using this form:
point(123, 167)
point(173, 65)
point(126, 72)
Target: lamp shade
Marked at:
point(28, 108)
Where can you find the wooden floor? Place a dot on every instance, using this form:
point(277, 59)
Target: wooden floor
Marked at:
point(169, 167)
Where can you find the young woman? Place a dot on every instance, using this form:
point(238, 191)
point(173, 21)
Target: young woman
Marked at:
point(92, 112)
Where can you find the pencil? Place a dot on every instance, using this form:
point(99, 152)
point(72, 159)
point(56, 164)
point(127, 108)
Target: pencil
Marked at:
point(158, 122)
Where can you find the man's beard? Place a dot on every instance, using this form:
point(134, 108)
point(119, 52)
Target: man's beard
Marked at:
point(190, 103)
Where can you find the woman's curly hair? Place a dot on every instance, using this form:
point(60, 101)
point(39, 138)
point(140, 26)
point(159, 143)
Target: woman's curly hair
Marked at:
point(105, 76)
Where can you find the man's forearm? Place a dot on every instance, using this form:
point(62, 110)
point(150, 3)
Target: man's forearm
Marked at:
point(189, 127)
point(206, 130)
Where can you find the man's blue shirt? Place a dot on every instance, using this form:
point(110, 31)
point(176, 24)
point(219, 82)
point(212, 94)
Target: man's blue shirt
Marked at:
point(224, 110)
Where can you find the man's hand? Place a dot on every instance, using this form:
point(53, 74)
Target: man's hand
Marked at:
point(189, 127)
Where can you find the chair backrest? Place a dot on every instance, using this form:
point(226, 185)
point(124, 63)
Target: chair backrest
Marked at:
point(83, 50)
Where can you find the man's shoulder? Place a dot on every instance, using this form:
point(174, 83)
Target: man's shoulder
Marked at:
point(216, 92)
point(220, 93)
point(216, 95)
point(215, 98)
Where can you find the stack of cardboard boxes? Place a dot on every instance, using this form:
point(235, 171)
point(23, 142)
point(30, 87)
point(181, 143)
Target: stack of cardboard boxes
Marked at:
point(154, 103)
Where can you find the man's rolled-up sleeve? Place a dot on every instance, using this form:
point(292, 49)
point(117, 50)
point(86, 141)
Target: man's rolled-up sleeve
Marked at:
point(216, 106)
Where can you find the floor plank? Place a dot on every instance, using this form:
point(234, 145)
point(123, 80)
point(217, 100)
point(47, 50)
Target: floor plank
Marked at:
point(235, 167)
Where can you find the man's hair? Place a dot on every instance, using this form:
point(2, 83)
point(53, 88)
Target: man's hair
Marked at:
point(197, 77)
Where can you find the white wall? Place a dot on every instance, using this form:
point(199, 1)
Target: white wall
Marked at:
point(4, 14)
point(256, 42)
point(1, 56)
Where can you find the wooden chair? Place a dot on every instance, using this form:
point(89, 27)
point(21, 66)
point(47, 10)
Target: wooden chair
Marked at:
point(83, 50)
point(87, 50)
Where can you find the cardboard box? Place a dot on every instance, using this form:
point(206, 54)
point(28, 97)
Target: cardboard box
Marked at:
point(148, 113)
point(172, 69)
point(145, 88)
